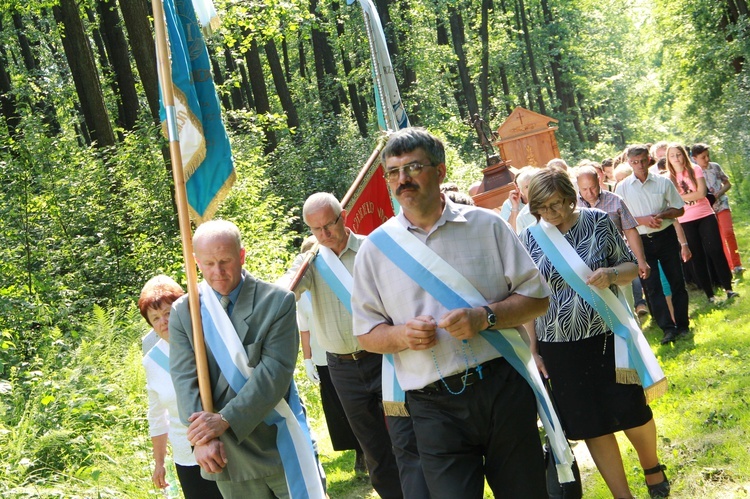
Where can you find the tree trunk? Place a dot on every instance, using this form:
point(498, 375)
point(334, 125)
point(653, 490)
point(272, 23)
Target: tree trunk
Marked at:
point(218, 77)
point(136, 14)
point(106, 69)
point(484, 77)
point(119, 58)
point(7, 100)
point(282, 90)
point(234, 90)
point(457, 35)
point(442, 39)
point(260, 92)
point(325, 67)
point(246, 87)
point(83, 68)
point(351, 85)
point(537, 90)
point(285, 57)
point(42, 105)
point(302, 58)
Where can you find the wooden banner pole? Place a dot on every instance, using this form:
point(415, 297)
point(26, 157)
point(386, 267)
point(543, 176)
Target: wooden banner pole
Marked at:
point(165, 81)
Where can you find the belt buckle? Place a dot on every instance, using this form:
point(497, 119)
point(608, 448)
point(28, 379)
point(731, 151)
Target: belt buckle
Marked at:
point(468, 378)
point(358, 355)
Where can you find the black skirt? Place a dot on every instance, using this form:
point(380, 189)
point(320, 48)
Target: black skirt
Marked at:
point(590, 403)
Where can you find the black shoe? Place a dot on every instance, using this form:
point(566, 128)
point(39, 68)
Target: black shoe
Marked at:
point(660, 489)
point(669, 337)
point(360, 466)
point(681, 333)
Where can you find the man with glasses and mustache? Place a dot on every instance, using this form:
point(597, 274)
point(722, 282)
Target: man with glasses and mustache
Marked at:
point(355, 372)
point(655, 203)
point(474, 416)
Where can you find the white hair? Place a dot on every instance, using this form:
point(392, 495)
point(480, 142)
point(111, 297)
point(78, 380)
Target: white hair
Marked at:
point(320, 200)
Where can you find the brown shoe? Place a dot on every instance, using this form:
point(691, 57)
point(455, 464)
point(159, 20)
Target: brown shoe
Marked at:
point(641, 310)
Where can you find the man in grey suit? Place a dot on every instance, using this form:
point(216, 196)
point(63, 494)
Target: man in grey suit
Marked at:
point(235, 446)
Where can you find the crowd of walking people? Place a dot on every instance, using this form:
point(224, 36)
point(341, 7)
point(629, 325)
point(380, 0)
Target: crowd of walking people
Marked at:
point(440, 338)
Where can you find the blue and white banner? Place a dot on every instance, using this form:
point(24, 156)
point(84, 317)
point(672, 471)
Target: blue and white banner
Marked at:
point(207, 15)
point(391, 112)
point(293, 435)
point(634, 360)
point(207, 160)
point(452, 290)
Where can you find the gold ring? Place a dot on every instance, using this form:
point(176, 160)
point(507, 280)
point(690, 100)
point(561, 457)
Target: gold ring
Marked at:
point(420, 341)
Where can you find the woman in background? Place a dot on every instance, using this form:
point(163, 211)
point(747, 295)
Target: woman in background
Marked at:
point(699, 223)
point(164, 422)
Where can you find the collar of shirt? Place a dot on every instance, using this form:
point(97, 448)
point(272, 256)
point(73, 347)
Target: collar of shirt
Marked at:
point(587, 204)
point(351, 244)
point(451, 213)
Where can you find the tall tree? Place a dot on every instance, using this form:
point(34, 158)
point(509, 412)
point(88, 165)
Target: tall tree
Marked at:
point(135, 14)
point(351, 85)
point(119, 59)
point(260, 91)
point(279, 81)
point(235, 89)
point(42, 101)
point(7, 99)
point(458, 37)
point(484, 77)
point(537, 86)
point(85, 75)
point(325, 65)
point(458, 95)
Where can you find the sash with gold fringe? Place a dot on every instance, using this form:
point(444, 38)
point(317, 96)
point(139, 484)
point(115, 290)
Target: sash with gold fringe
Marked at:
point(452, 290)
point(635, 362)
point(339, 279)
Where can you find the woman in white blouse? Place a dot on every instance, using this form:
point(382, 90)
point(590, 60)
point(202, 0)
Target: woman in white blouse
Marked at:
point(164, 422)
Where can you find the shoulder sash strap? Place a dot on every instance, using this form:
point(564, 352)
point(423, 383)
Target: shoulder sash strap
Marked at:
point(633, 354)
point(293, 435)
point(333, 272)
point(453, 291)
point(159, 356)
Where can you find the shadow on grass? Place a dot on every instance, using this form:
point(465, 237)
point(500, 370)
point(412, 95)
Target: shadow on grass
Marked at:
point(343, 482)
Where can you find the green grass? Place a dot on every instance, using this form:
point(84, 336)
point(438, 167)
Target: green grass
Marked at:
point(703, 422)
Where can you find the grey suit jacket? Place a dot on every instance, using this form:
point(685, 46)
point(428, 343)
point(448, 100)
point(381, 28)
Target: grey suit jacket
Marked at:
point(264, 317)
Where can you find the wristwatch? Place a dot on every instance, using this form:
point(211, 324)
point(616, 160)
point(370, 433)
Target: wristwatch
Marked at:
point(491, 319)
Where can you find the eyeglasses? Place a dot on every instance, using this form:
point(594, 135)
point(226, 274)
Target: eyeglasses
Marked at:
point(326, 227)
point(636, 161)
point(412, 170)
point(553, 207)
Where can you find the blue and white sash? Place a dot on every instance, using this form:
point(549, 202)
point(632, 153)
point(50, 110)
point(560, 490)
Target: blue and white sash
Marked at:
point(340, 280)
point(159, 356)
point(635, 362)
point(336, 275)
point(293, 436)
point(452, 290)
